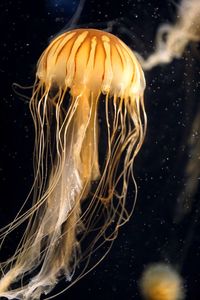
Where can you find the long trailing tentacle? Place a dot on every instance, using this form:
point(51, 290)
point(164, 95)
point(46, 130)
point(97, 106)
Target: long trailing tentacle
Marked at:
point(50, 239)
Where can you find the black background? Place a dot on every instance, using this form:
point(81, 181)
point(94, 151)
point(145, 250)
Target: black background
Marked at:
point(172, 102)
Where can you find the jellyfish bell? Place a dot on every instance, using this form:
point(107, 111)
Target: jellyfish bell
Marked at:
point(92, 59)
point(160, 281)
point(73, 73)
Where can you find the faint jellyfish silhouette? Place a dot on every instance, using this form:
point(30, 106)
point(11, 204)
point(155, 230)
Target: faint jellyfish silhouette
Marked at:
point(171, 40)
point(84, 74)
point(161, 282)
point(185, 201)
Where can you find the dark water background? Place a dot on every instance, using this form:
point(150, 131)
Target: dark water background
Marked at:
point(158, 230)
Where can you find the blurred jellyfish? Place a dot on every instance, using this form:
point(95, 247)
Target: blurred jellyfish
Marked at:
point(172, 40)
point(82, 75)
point(161, 282)
point(65, 9)
point(192, 171)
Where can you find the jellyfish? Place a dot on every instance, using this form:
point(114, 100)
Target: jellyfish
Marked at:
point(161, 282)
point(88, 91)
point(171, 40)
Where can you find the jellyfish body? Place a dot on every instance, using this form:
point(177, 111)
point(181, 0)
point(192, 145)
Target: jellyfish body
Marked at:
point(80, 73)
point(161, 282)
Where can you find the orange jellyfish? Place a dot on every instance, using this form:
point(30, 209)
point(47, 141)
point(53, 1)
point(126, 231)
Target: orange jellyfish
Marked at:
point(88, 90)
point(161, 282)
